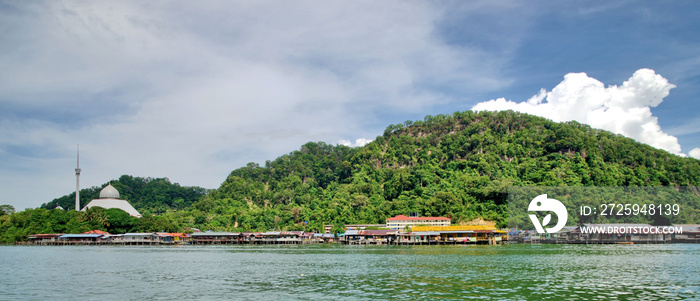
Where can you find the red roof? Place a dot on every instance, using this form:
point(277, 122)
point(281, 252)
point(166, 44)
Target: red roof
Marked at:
point(97, 232)
point(424, 218)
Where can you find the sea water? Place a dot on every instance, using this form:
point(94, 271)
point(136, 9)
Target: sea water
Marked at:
point(334, 272)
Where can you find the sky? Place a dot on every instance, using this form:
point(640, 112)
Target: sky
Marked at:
point(193, 90)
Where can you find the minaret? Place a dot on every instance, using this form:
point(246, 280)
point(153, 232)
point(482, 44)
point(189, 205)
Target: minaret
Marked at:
point(77, 183)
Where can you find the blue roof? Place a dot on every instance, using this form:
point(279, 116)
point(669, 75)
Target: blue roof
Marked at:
point(80, 236)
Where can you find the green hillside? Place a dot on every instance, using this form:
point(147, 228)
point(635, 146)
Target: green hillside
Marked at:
point(457, 165)
point(147, 195)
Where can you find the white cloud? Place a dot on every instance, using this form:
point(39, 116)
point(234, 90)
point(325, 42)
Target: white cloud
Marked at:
point(191, 91)
point(621, 109)
point(358, 142)
point(695, 153)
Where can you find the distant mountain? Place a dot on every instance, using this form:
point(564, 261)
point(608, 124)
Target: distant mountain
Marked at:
point(455, 165)
point(148, 195)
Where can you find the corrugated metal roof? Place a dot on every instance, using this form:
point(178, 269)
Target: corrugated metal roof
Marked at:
point(214, 234)
point(81, 236)
point(47, 235)
point(453, 228)
point(422, 233)
point(172, 234)
point(371, 232)
point(298, 233)
point(689, 228)
point(139, 234)
point(378, 232)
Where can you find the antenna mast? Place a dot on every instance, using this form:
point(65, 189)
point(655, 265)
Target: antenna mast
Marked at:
point(77, 183)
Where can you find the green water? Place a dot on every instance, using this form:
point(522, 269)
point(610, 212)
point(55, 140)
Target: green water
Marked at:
point(332, 272)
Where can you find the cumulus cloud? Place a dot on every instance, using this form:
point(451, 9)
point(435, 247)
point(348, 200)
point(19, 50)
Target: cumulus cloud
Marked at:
point(358, 142)
point(695, 153)
point(624, 109)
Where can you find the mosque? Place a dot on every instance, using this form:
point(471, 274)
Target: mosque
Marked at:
point(109, 198)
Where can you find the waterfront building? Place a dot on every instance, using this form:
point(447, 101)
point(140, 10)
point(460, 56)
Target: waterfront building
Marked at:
point(369, 236)
point(109, 198)
point(689, 233)
point(323, 238)
point(82, 239)
point(253, 236)
point(41, 239)
point(465, 234)
point(135, 238)
point(218, 237)
point(327, 228)
point(283, 237)
point(566, 234)
point(416, 237)
point(172, 238)
point(270, 237)
point(401, 221)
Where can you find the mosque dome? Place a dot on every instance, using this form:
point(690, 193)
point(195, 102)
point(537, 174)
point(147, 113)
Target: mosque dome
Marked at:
point(109, 192)
point(109, 198)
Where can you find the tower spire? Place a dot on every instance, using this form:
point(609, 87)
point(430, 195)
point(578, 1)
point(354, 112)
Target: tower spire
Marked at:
point(77, 182)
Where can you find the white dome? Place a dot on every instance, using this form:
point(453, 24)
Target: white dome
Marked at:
point(109, 192)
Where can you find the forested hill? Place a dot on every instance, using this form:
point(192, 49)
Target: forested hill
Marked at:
point(148, 195)
point(455, 165)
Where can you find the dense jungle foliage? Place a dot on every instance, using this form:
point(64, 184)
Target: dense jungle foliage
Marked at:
point(152, 197)
point(147, 195)
point(457, 165)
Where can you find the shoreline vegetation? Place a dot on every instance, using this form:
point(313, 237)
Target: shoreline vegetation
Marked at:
point(458, 166)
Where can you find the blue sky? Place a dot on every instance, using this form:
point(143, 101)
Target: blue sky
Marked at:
point(192, 91)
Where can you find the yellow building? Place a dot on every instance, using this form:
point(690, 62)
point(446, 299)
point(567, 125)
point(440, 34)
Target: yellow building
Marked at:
point(474, 234)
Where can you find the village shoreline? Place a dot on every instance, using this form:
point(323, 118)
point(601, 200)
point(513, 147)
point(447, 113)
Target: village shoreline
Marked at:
point(418, 235)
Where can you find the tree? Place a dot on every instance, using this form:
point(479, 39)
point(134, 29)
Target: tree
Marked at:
point(6, 209)
point(98, 216)
point(120, 222)
point(338, 228)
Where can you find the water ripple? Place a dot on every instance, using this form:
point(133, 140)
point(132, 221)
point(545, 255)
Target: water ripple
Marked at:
point(331, 272)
